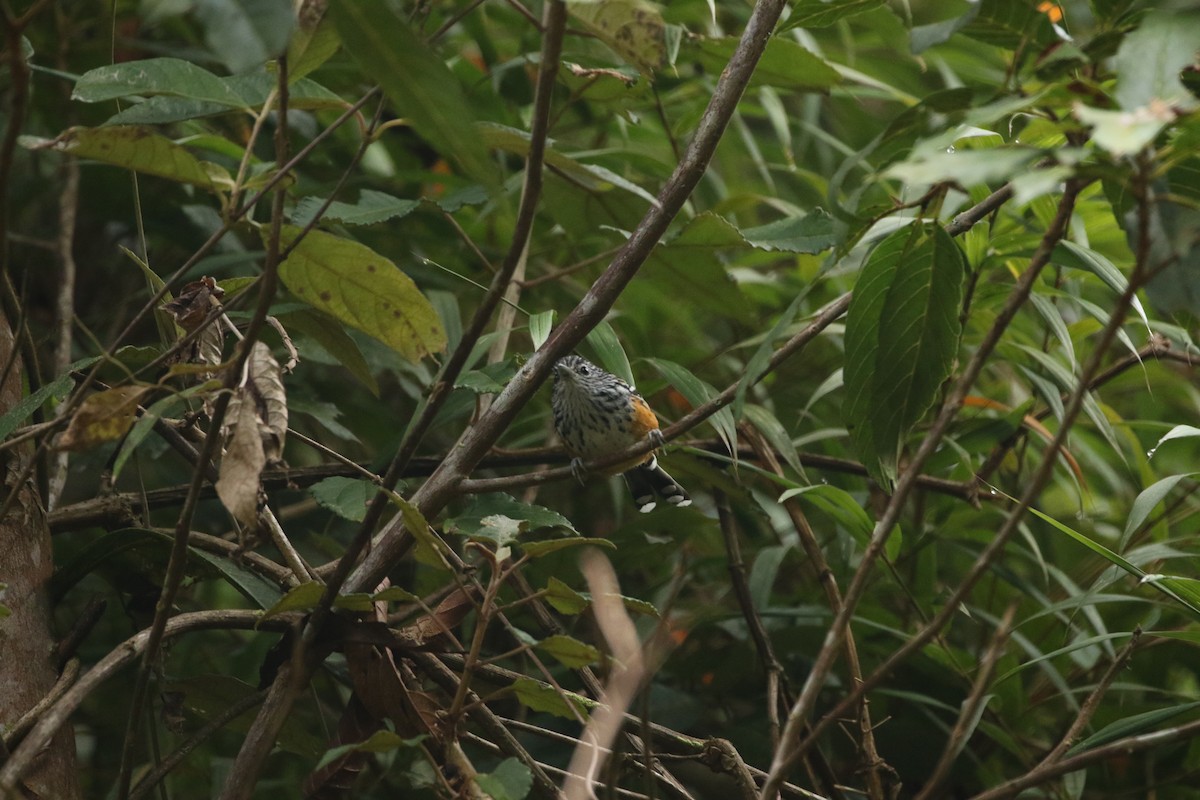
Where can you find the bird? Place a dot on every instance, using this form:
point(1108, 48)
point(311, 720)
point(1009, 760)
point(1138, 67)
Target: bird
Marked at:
point(597, 414)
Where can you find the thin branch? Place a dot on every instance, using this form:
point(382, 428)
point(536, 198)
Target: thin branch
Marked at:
point(119, 657)
point(202, 735)
point(393, 541)
point(788, 750)
point(1088, 709)
point(971, 707)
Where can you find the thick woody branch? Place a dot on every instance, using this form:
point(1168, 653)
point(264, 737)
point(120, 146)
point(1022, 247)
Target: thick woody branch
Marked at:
point(393, 542)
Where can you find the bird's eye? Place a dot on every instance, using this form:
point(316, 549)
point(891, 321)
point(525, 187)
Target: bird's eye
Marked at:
point(583, 370)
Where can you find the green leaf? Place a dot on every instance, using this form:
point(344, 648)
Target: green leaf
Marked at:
point(1146, 501)
point(1151, 58)
point(591, 176)
point(902, 332)
point(632, 28)
point(697, 393)
point(471, 521)
point(136, 148)
point(510, 780)
point(346, 497)
point(823, 13)
point(245, 33)
point(362, 289)
point(540, 697)
point(145, 423)
point(609, 351)
point(784, 64)
point(59, 388)
point(809, 233)
point(391, 52)
point(763, 572)
point(563, 598)
point(300, 598)
point(154, 76)
point(540, 325)
point(541, 548)
point(1178, 432)
point(776, 435)
point(568, 651)
point(1131, 726)
point(381, 741)
point(1123, 133)
point(372, 207)
point(327, 332)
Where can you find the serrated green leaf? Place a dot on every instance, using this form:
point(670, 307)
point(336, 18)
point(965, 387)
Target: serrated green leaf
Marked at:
point(362, 289)
point(392, 53)
point(372, 207)
point(809, 233)
point(902, 332)
point(346, 497)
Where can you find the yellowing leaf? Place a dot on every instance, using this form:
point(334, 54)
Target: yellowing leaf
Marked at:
point(136, 148)
point(362, 289)
point(103, 417)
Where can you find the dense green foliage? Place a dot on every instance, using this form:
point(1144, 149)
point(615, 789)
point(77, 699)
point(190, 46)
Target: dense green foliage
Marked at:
point(1009, 191)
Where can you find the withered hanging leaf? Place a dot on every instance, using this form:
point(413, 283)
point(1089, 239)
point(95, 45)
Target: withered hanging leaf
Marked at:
point(191, 309)
point(103, 417)
point(263, 390)
point(242, 464)
point(432, 627)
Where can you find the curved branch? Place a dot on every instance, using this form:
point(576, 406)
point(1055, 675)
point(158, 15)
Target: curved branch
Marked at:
point(120, 656)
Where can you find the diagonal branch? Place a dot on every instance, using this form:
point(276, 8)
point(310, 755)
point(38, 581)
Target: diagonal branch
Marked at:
point(393, 541)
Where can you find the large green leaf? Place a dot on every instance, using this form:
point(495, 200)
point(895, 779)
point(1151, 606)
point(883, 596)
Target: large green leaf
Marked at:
point(1151, 59)
point(362, 289)
point(154, 76)
point(415, 80)
point(132, 147)
point(633, 28)
point(785, 64)
point(902, 332)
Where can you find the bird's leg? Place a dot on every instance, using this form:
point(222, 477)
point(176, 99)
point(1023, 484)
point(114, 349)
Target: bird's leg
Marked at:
point(578, 469)
point(656, 438)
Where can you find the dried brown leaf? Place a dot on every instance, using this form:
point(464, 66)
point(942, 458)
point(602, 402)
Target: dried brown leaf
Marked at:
point(263, 391)
point(242, 464)
point(103, 417)
point(440, 624)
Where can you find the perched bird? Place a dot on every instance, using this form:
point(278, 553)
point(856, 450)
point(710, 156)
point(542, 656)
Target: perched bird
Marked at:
point(596, 414)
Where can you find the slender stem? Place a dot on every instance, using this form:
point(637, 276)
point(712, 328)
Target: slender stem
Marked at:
point(788, 750)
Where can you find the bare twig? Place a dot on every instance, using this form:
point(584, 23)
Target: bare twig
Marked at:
point(971, 707)
point(124, 654)
point(393, 541)
point(788, 750)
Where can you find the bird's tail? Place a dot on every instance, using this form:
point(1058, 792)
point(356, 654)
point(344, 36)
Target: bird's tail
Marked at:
point(647, 482)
